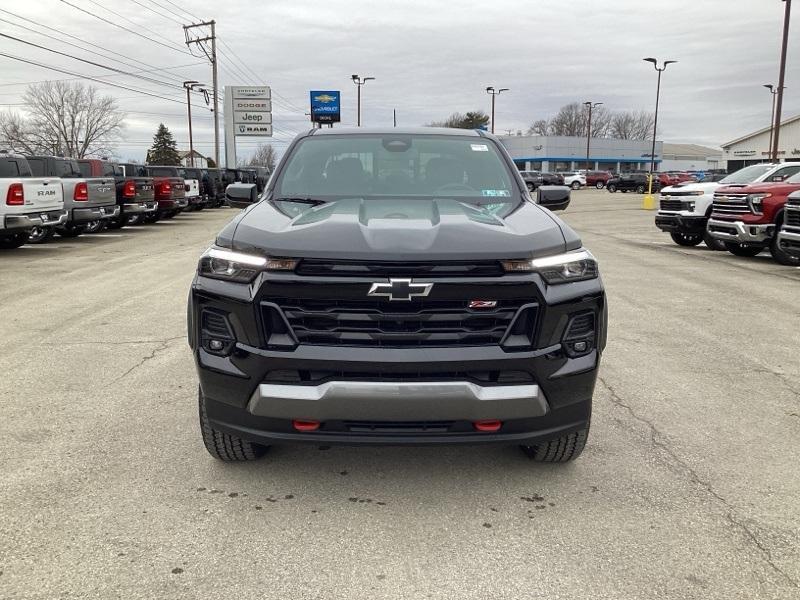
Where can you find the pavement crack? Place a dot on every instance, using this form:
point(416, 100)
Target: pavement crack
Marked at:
point(656, 438)
point(163, 345)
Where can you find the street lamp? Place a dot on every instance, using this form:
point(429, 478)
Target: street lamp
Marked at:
point(494, 93)
point(359, 81)
point(781, 78)
point(190, 87)
point(649, 202)
point(772, 90)
point(590, 105)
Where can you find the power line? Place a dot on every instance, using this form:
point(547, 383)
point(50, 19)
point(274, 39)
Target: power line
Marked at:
point(160, 43)
point(88, 43)
point(77, 78)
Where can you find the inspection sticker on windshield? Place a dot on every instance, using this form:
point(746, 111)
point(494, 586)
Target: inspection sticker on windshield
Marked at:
point(479, 147)
point(495, 193)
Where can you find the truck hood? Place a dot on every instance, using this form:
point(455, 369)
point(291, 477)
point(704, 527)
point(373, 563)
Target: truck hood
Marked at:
point(754, 188)
point(706, 188)
point(397, 229)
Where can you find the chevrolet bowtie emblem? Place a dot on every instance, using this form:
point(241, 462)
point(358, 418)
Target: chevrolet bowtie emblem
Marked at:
point(400, 289)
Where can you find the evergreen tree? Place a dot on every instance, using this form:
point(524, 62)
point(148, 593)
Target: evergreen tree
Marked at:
point(164, 150)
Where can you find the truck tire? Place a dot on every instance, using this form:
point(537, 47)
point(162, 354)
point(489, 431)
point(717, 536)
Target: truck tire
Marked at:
point(223, 446)
point(39, 235)
point(564, 449)
point(743, 249)
point(95, 226)
point(713, 243)
point(612, 188)
point(70, 231)
point(779, 255)
point(686, 239)
point(640, 189)
point(13, 241)
point(599, 185)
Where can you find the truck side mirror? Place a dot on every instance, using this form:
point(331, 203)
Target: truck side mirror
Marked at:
point(554, 197)
point(241, 195)
point(777, 178)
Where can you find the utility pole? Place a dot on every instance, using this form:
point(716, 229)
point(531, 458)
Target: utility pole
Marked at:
point(394, 116)
point(781, 78)
point(590, 105)
point(211, 54)
point(494, 93)
point(190, 87)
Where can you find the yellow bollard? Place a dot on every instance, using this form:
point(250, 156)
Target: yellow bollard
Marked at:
point(649, 201)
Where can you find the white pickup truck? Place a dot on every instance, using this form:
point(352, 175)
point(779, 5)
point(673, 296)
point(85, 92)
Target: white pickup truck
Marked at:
point(684, 208)
point(193, 196)
point(27, 203)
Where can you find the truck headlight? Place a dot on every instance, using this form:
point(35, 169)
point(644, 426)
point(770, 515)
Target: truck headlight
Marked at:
point(756, 200)
point(559, 268)
point(239, 267)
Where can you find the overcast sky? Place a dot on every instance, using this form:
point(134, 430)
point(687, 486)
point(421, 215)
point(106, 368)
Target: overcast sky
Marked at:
point(430, 58)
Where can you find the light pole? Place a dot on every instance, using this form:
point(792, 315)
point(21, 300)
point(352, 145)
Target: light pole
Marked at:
point(494, 93)
point(781, 78)
point(774, 93)
point(359, 81)
point(590, 105)
point(649, 202)
point(190, 87)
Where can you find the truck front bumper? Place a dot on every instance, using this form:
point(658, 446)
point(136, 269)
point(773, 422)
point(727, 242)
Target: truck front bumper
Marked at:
point(677, 223)
point(47, 218)
point(95, 213)
point(789, 240)
point(740, 232)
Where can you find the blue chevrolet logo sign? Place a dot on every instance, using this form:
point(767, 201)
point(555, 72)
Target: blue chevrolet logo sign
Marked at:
point(325, 106)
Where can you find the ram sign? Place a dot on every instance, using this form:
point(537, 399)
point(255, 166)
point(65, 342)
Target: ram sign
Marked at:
point(325, 107)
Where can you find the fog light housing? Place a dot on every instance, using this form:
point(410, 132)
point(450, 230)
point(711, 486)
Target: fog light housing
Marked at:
point(216, 333)
point(579, 335)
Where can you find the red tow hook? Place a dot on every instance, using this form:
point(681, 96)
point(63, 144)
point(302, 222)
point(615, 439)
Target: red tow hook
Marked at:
point(487, 426)
point(304, 425)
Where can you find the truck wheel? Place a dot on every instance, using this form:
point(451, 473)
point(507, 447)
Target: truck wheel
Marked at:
point(742, 249)
point(137, 219)
point(713, 243)
point(39, 235)
point(567, 447)
point(780, 256)
point(13, 241)
point(686, 239)
point(224, 446)
point(599, 185)
point(70, 231)
point(575, 185)
point(640, 189)
point(612, 188)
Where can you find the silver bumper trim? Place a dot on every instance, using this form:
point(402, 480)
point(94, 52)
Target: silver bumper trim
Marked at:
point(31, 220)
point(398, 401)
point(740, 232)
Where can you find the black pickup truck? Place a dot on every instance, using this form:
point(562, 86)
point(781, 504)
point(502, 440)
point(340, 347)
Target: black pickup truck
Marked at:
point(396, 286)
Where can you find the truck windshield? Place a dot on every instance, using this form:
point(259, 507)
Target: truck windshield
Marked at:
point(748, 174)
point(416, 166)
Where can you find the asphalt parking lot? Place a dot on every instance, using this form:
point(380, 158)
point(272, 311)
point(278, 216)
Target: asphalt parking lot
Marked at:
point(688, 487)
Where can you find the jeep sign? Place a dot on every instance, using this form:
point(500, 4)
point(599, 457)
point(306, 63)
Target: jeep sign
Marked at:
point(252, 117)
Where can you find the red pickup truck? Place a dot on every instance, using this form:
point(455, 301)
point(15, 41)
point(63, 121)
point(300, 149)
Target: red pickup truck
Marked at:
point(747, 219)
point(170, 192)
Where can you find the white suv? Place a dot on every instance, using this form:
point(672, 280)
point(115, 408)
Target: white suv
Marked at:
point(574, 179)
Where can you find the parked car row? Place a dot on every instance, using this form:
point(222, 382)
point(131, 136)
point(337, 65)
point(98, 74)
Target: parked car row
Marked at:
point(754, 209)
point(49, 195)
point(636, 181)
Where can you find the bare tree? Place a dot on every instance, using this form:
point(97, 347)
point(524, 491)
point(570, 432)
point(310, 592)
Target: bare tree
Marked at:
point(632, 125)
point(264, 156)
point(572, 120)
point(475, 119)
point(63, 118)
point(540, 127)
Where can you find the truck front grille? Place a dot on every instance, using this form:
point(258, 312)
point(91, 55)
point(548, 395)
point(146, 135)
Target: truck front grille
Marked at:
point(402, 324)
point(792, 216)
point(488, 268)
point(670, 204)
point(731, 204)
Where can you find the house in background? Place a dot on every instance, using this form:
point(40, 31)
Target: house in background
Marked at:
point(200, 161)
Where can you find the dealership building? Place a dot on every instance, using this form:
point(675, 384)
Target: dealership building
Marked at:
point(563, 153)
point(754, 147)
